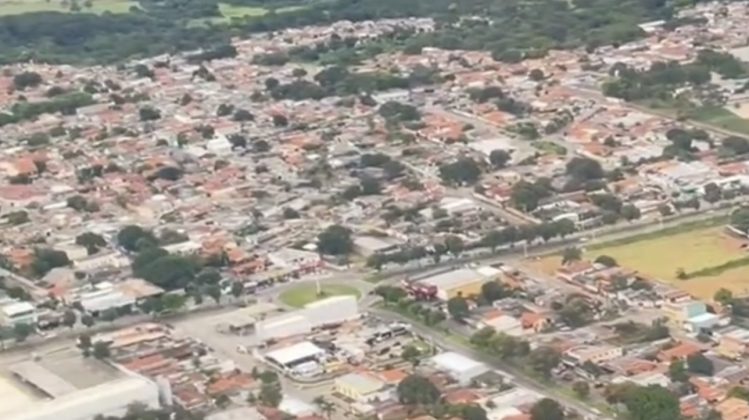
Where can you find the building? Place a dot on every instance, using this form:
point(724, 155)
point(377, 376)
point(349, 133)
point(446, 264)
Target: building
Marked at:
point(61, 384)
point(733, 343)
point(333, 310)
point(109, 399)
point(461, 368)
point(18, 313)
point(679, 312)
point(291, 357)
point(370, 245)
point(100, 297)
point(592, 353)
point(464, 282)
point(282, 326)
point(358, 387)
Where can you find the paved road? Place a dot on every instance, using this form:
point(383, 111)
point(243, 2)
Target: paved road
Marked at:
point(494, 362)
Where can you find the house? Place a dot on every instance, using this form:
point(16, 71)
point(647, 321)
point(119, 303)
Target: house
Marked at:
point(733, 409)
point(597, 354)
point(461, 368)
point(15, 313)
point(464, 282)
point(679, 352)
point(502, 323)
point(733, 343)
point(358, 387)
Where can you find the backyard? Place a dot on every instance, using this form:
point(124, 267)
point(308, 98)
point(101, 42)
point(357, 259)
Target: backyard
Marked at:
point(303, 294)
point(708, 257)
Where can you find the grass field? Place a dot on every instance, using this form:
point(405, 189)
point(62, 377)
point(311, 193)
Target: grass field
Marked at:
point(19, 7)
point(659, 258)
point(303, 294)
point(721, 117)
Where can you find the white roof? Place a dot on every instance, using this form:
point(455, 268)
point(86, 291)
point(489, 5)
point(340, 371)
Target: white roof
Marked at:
point(452, 279)
point(17, 308)
point(295, 352)
point(456, 362)
point(40, 377)
point(108, 399)
point(330, 301)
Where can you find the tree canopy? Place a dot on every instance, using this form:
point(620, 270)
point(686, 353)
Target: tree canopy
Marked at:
point(652, 403)
point(416, 389)
point(335, 240)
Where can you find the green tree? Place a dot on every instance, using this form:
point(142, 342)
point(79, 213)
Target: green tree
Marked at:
point(547, 409)
point(584, 169)
point(133, 238)
point(237, 289)
point(214, 291)
point(46, 259)
point(335, 240)
point(69, 318)
point(493, 290)
point(499, 158)
point(87, 320)
point(699, 364)
point(270, 394)
point(677, 371)
point(458, 307)
point(462, 171)
point(415, 389)
point(713, 193)
point(326, 407)
point(571, 254)
point(17, 217)
point(630, 212)
point(101, 350)
point(26, 79)
point(581, 388)
point(170, 272)
point(84, 341)
point(21, 331)
point(723, 296)
point(411, 354)
point(606, 260)
point(483, 337)
point(91, 241)
point(543, 359)
point(652, 403)
point(148, 113)
point(170, 302)
point(740, 219)
point(454, 244)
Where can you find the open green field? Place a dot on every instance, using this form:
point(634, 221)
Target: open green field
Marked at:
point(303, 294)
point(710, 257)
point(723, 118)
point(231, 11)
point(19, 7)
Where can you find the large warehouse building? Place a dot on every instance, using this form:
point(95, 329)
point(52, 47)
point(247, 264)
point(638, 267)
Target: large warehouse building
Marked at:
point(70, 387)
point(333, 310)
point(464, 282)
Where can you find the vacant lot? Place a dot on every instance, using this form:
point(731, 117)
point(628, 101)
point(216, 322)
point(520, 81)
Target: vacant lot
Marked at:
point(19, 7)
point(660, 257)
point(303, 294)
